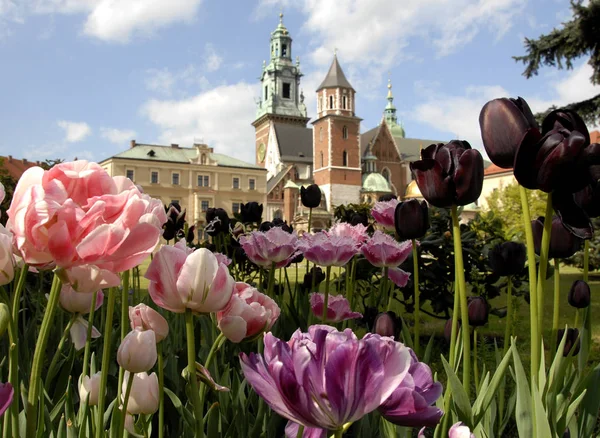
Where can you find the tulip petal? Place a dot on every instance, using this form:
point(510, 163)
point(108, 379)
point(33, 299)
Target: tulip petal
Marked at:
point(163, 273)
point(434, 187)
point(7, 393)
point(234, 328)
point(468, 177)
point(571, 215)
point(525, 160)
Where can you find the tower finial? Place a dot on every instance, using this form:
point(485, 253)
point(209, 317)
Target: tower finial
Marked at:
point(281, 17)
point(335, 51)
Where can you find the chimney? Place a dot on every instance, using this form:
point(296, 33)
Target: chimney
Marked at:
point(175, 145)
point(10, 158)
point(38, 163)
point(132, 144)
point(25, 161)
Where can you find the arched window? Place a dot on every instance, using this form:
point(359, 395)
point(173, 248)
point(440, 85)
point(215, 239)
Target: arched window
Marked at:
point(345, 132)
point(203, 159)
point(345, 158)
point(276, 192)
point(278, 214)
point(321, 134)
point(321, 159)
point(386, 174)
point(344, 102)
point(330, 102)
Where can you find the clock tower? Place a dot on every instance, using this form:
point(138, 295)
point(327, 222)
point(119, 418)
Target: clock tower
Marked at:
point(281, 100)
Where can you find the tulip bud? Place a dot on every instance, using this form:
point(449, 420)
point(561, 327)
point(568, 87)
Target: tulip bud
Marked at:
point(448, 330)
point(507, 258)
point(137, 352)
point(251, 212)
point(478, 311)
point(308, 277)
point(459, 430)
point(387, 324)
point(411, 219)
point(579, 295)
point(7, 258)
point(571, 341)
point(90, 386)
point(143, 317)
point(143, 398)
point(4, 318)
point(310, 196)
point(78, 302)
point(189, 237)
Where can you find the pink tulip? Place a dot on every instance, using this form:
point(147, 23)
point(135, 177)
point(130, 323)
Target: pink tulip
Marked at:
point(89, 278)
point(78, 332)
point(7, 258)
point(90, 386)
point(2, 193)
point(398, 276)
point(76, 214)
point(78, 302)
point(146, 318)
point(459, 430)
point(382, 250)
point(328, 250)
point(137, 352)
point(384, 213)
point(272, 246)
point(143, 398)
point(248, 314)
point(338, 307)
point(222, 258)
point(181, 279)
point(7, 393)
point(358, 232)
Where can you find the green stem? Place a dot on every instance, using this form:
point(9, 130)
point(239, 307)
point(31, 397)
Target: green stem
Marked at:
point(387, 290)
point(475, 365)
point(464, 312)
point(454, 331)
point(213, 350)
point(13, 368)
point(51, 369)
point(586, 260)
point(300, 433)
point(556, 304)
point(415, 255)
point(125, 402)
point(533, 301)
point(326, 299)
point(161, 391)
point(271, 284)
point(191, 352)
point(576, 324)
point(350, 283)
point(124, 320)
point(339, 433)
point(544, 253)
point(88, 339)
point(109, 311)
point(38, 358)
point(508, 325)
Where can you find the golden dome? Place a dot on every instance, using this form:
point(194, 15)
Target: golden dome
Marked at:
point(412, 191)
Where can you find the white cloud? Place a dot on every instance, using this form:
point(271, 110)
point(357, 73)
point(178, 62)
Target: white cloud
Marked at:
point(74, 131)
point(219, 116)
point(458, 115)
point(164, 81)
point(119, 20)
point(117, 136)
point(213, 61)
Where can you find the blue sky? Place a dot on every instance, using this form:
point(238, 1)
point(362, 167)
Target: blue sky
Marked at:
point(80, 78)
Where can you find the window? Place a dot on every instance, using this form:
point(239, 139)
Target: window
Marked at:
point(345, 132)
point(204, 205)
point(175, 179)
point(321, 159)
point(278, 214)
point(386, 174)
point(266, 92)
point(286, 92)
point(153, 177)
point(345, 158)
point(321, 134)
point(203, 159)
point(284, 50)
point(236, 183)
point(330, 102)
point(235, 207)
point(174, 201)
point(203, 181)
point(129, 174)
point(344, 102)
point(252, 184)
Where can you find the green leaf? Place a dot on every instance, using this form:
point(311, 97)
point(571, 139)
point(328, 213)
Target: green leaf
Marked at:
point(590, 405)
point(187, 416)
point(406, 335)
point(459, 395)
point(485, 397)
point(523, 414)
point(428, 350)
point(212, 419)
point(542, 428)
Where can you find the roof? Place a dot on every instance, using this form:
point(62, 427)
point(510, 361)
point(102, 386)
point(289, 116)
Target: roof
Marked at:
point(335, 77)
point(16, 167)
point(492, 169)
point(152, 152)
point(409, 149)
point(272, 182)
point(295, 143)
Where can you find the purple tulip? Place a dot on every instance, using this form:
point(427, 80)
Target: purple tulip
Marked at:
point(291, 431)
point(449, 174)
point(338, 307)
point(563, 243)
point(412, 402)
point(382, 250)
point(7, 393)
point(579, 295)
point(326, 378)
point(384, 213)
point(327, 250)
point(478, 311)
point(411, 219)
point(273, 246)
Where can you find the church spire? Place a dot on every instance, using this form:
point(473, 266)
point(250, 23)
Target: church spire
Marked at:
point(390, 113)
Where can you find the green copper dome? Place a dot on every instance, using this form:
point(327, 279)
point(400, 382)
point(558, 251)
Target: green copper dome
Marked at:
point(375, 182)
point(397, 130)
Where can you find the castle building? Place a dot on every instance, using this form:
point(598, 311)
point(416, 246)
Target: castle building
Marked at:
point(349, 166)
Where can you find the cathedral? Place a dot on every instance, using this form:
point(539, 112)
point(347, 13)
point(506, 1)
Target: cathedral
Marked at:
point(349, 166)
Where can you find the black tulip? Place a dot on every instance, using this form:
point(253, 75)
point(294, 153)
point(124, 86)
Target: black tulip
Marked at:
point(190, 236)
point(572, 215)
point(251, 212)
point(448, 330)
point(359, 218)
point(508, 258)
point(278, 222)
point(175, 221)
point(308, 278)
point(311, 196)
point(563, 243)
point(588, 199)
point(411, 219)
point(580, 294)
point(571, 342)
point(449, 174)
point(478, 311)
point(387, 197)
point(387, 324)
point(298, 259)
point(505, 125)
point(265, 226)
point(217, 221)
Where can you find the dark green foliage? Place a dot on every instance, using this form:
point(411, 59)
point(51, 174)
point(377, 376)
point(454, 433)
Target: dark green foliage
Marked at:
point(576, 38)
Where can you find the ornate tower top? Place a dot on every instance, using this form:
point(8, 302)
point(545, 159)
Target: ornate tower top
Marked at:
point(390, 114)
point(335, 76)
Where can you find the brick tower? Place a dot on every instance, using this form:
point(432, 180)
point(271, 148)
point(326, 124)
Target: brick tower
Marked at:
point(336, 140)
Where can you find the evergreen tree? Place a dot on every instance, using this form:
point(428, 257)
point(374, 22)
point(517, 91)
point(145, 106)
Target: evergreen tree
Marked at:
point(576, 38)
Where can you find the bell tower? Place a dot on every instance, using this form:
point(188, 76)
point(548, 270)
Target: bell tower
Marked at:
point(281, 100)
point(336, 141)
